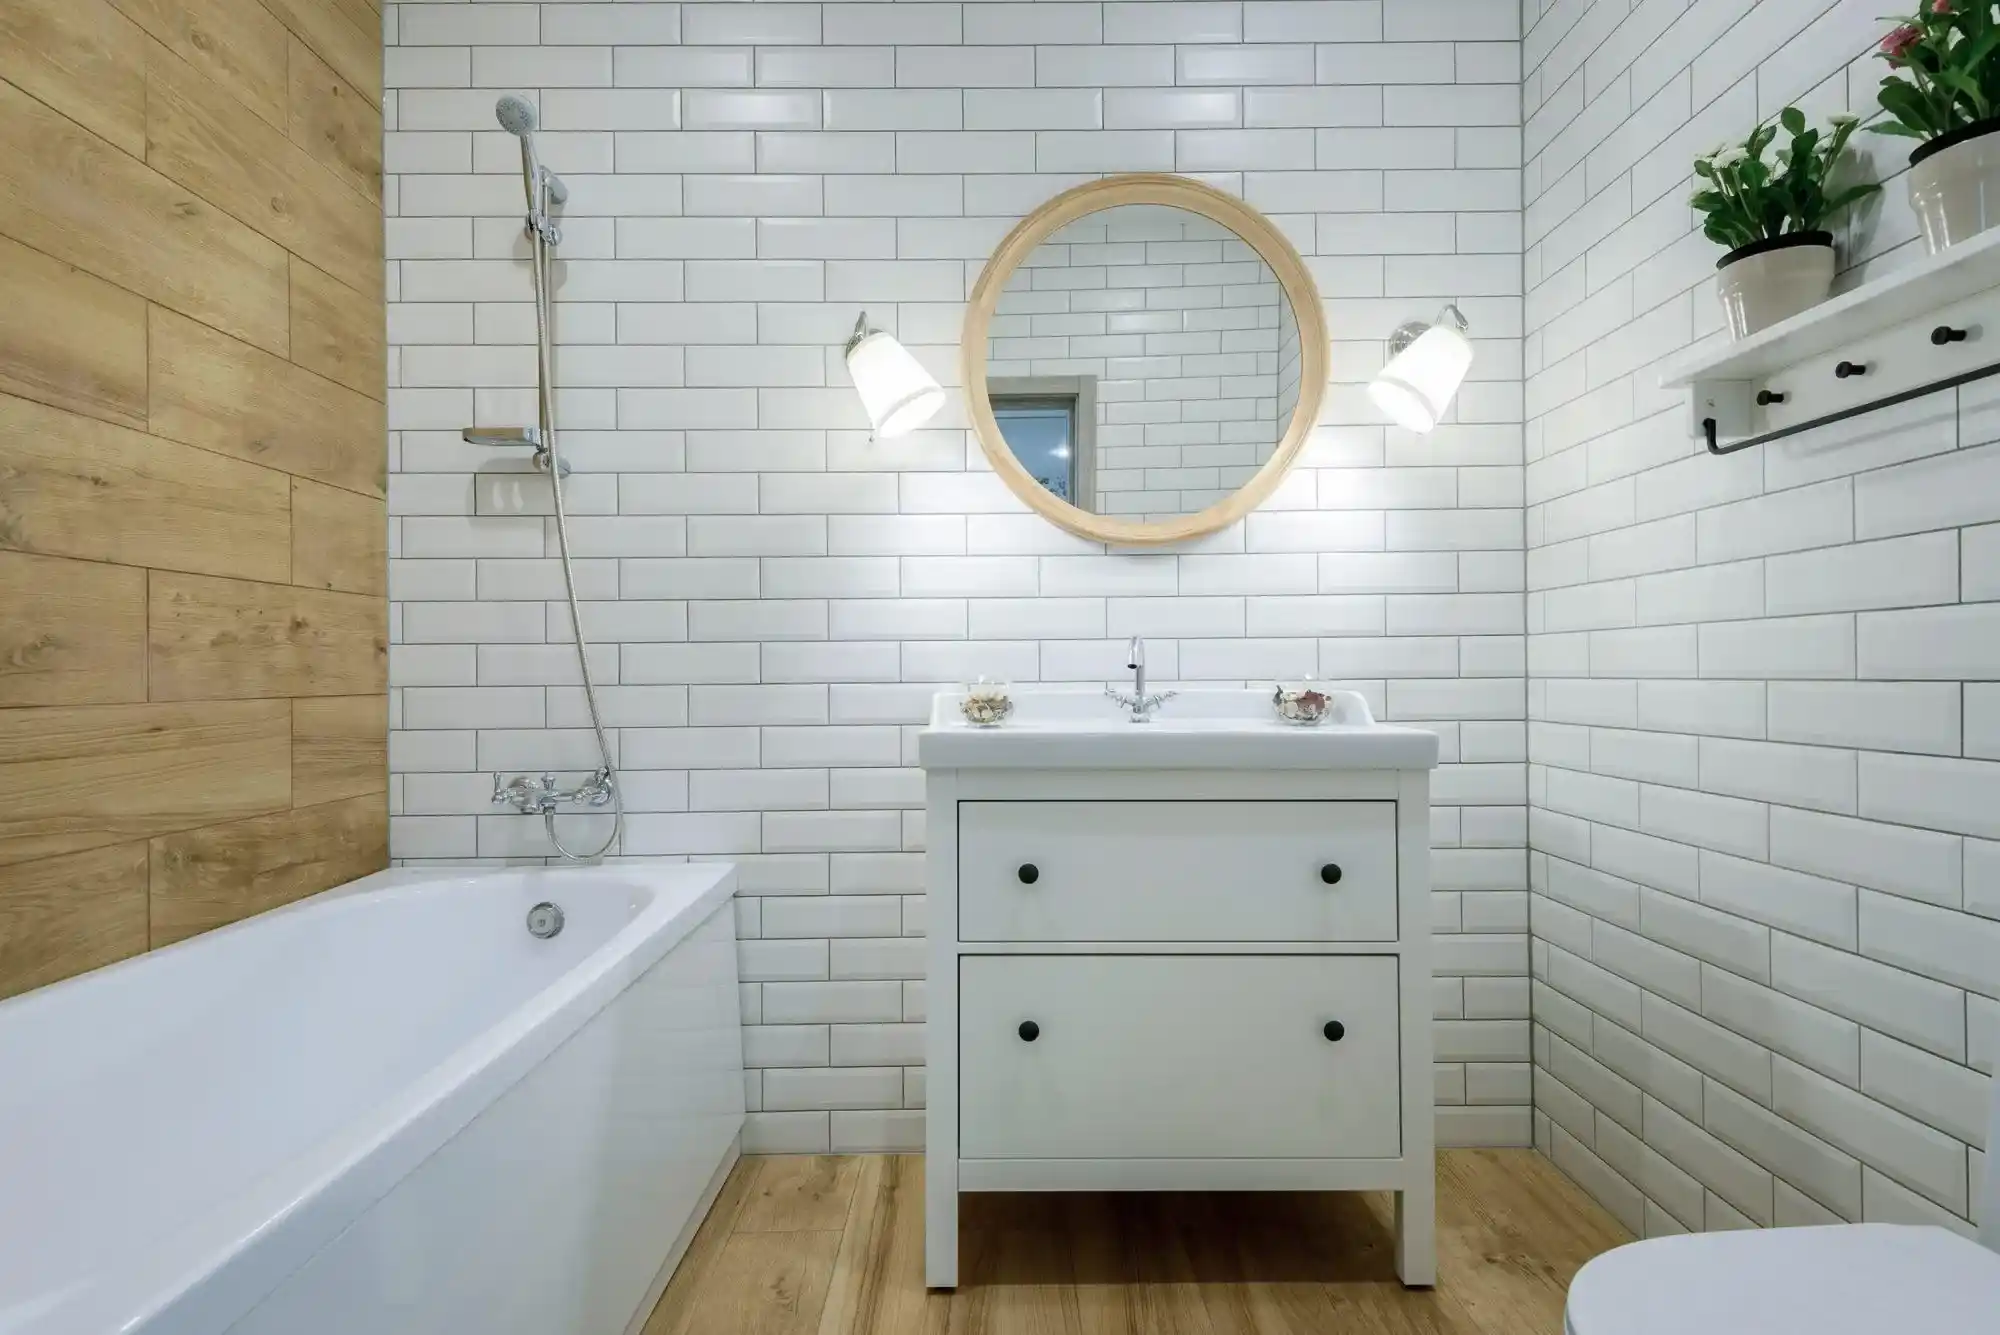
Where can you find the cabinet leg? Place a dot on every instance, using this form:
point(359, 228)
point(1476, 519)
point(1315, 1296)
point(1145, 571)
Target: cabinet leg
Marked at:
point(940, 1231)
point(1416, 1236)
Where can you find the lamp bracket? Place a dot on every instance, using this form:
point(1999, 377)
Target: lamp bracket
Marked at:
point(861, 331)
point(1410, 331)
point(1405, 334)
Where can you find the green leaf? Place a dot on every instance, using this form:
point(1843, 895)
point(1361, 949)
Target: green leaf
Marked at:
point(1976, 52)
point(1730, 236)
point(1895, 94)
point(1914, 108)
point(1965, 86)
point(1793, 119)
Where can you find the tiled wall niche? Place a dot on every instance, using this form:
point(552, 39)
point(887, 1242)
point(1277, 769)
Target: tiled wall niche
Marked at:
point(1766, 915)
point(774, 596)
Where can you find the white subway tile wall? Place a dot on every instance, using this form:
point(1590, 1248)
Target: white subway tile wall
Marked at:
point(774, 596)
point(1762, 728)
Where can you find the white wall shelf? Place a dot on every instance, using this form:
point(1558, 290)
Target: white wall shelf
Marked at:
point(1923, 329)
point(1837, 324)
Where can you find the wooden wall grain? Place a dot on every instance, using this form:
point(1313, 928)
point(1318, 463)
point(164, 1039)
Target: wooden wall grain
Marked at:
point(193, 602)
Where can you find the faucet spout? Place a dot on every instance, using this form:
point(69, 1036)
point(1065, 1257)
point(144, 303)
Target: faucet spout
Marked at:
point(1141, 704)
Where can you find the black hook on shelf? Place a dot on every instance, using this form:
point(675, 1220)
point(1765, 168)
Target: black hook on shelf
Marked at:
point(1847, 369)
point(1708, 424)
point(1767, 397)
point(1944, 334)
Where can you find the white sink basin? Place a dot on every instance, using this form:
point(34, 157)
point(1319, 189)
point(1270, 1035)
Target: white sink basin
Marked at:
point(1057, 728)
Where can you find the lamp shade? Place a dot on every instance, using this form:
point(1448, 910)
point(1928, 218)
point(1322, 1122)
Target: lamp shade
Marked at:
point(899, 394)
point(1417, 385)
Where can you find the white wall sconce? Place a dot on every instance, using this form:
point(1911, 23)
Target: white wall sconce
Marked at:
point(897, 392)
point(1427, 364)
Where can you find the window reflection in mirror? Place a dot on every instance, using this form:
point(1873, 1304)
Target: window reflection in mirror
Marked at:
point(1041, 432)
point(1180, 336)
point(1050, 425)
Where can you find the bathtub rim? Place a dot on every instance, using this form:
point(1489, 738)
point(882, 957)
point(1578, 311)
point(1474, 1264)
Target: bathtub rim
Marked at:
point(213, 1271)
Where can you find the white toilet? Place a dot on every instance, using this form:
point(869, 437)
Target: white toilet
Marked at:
point(1849, 1279)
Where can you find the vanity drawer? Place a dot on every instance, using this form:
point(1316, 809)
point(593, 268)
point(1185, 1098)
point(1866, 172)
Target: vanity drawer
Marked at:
point(1178, 1056)
point(1177, 871)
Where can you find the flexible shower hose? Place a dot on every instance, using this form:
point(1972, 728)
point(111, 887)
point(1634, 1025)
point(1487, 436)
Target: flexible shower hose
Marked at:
point(545, 394)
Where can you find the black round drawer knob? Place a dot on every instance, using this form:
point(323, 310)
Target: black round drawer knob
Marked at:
point(1944, 334)
point(1334, 1031)
point(1029, 1031)
point(1029, 873)
point(1330, 873)
point(1847, 370)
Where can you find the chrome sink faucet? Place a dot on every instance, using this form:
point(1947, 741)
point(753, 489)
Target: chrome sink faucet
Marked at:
point(1141, 704)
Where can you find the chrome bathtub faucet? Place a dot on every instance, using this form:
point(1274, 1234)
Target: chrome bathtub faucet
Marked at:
point(1141, 704)
point(541, 797)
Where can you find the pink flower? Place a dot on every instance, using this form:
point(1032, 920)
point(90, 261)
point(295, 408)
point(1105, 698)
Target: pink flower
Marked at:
point(1940, 6)
point(1897, 44)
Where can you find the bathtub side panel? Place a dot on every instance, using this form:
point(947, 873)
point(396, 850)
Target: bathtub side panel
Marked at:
point(554, 1209)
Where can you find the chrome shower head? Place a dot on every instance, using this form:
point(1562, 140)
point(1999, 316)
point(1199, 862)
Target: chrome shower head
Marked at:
point(517, 115)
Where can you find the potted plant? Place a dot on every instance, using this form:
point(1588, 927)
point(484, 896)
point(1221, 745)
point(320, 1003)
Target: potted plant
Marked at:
point(1945, 91)
point(1772, 216)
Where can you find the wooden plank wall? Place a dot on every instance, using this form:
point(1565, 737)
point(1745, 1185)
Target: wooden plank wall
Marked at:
point(193, 576)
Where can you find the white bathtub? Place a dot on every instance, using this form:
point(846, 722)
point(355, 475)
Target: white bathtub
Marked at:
point(386, 1109)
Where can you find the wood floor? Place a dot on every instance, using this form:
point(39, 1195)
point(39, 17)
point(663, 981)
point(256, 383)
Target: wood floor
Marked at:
point(833, 1245)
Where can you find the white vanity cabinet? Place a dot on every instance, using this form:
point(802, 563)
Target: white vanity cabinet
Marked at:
point(1202, 964)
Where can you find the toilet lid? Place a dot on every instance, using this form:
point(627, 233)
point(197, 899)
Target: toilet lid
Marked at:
point(1852, 1279)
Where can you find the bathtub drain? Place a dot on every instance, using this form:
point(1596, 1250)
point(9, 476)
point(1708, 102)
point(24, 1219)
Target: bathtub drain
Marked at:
point(544, 920)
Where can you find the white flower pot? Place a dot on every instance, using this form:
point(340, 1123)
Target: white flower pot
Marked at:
point(1768, 281)
point(1955, 185)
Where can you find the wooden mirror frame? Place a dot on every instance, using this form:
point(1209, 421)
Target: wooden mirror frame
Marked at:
point(1217, 206)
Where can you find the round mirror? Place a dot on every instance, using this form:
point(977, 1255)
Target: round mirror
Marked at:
point(1144, 358)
